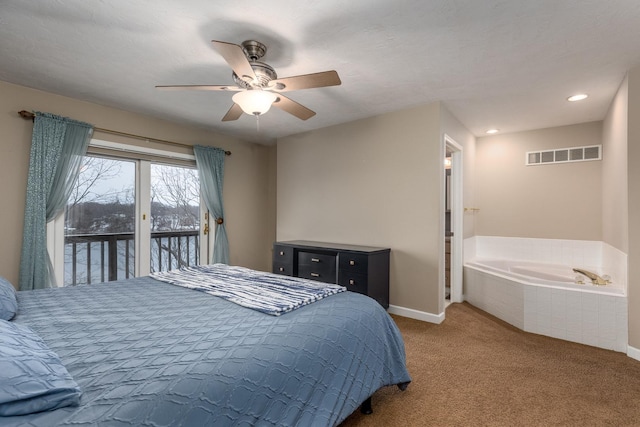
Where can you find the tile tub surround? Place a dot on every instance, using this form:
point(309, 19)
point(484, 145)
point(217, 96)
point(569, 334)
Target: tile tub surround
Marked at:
point(587, 317)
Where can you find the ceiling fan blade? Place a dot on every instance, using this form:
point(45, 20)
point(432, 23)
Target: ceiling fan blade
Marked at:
point(199, 87)
point(234, 113)
point(235, 57)
point(292, 107)
point(307, 81)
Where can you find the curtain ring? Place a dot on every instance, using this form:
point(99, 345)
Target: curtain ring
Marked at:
point(219, 221)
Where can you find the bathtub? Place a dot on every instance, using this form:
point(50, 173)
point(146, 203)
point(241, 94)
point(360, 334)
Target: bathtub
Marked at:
point(544, 274)
point(544, 298)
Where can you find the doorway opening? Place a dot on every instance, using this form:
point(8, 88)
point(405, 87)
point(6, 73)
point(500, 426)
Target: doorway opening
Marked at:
point(453, 221)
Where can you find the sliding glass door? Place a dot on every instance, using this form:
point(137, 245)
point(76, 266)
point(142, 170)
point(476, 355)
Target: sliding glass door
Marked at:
point(127, 218)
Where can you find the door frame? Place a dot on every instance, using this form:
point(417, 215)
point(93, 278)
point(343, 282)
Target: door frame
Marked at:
point(456, 198)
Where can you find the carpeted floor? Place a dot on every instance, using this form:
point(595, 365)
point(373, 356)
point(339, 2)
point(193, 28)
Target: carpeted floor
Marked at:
point(475, 370)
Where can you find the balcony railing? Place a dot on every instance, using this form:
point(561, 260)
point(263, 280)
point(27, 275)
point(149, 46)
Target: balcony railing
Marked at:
point(95, 258)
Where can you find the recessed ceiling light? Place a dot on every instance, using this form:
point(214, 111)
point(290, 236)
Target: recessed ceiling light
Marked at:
point(492, 131)
point(577, 97)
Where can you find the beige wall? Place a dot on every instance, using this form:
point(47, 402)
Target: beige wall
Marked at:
point(556, 201)
point(248, 183)
point(615, 206)
point(633, 162)
point(376, 181)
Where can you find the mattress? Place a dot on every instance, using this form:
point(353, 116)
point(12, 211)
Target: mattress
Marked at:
point(148, 353)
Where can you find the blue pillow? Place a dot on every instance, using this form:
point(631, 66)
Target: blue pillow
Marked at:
point(8, 302)
point(32, 377)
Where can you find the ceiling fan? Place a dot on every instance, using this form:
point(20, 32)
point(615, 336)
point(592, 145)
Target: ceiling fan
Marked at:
point(257, 84)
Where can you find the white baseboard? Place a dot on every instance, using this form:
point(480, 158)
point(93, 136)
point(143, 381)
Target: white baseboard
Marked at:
point(415, 314)
point(633, 353)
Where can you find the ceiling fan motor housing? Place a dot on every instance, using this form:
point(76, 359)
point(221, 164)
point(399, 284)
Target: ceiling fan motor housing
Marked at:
point(264, 74)
point(254, 50)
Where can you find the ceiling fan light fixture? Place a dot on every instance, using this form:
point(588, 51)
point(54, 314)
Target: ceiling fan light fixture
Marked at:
point(254, 102)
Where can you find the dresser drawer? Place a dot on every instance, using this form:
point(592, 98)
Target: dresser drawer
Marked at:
point(353, 263)
point(353, 282)
point(282, 254)
point(316, 266)
point(282, 268)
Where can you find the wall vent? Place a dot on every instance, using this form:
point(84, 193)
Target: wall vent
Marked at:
point(564, 155)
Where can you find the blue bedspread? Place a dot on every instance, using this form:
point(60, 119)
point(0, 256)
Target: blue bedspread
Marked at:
point(147, 353)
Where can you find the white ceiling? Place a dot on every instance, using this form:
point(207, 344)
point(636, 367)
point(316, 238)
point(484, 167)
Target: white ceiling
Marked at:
point(508, 64)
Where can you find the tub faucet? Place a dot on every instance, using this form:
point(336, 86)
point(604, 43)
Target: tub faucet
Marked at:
point(595, 279)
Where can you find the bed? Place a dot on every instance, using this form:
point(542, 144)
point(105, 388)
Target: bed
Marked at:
point(148, 353)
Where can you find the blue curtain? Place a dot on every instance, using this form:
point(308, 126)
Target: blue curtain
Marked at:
point(210, 162)
point(58, 145)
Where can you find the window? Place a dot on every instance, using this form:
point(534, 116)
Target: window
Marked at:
point(127, 217)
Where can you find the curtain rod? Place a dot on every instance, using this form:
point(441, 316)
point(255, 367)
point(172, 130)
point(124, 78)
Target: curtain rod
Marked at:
point(30, 116)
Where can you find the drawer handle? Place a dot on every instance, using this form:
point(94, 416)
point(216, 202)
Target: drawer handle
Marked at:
point(315, 275)
point(281, 268)
point(315, 260)
point(281, 253)
point(352, 262)
point(352, 282)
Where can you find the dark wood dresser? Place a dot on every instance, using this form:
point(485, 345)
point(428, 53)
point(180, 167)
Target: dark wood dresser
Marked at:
point(361, 269)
